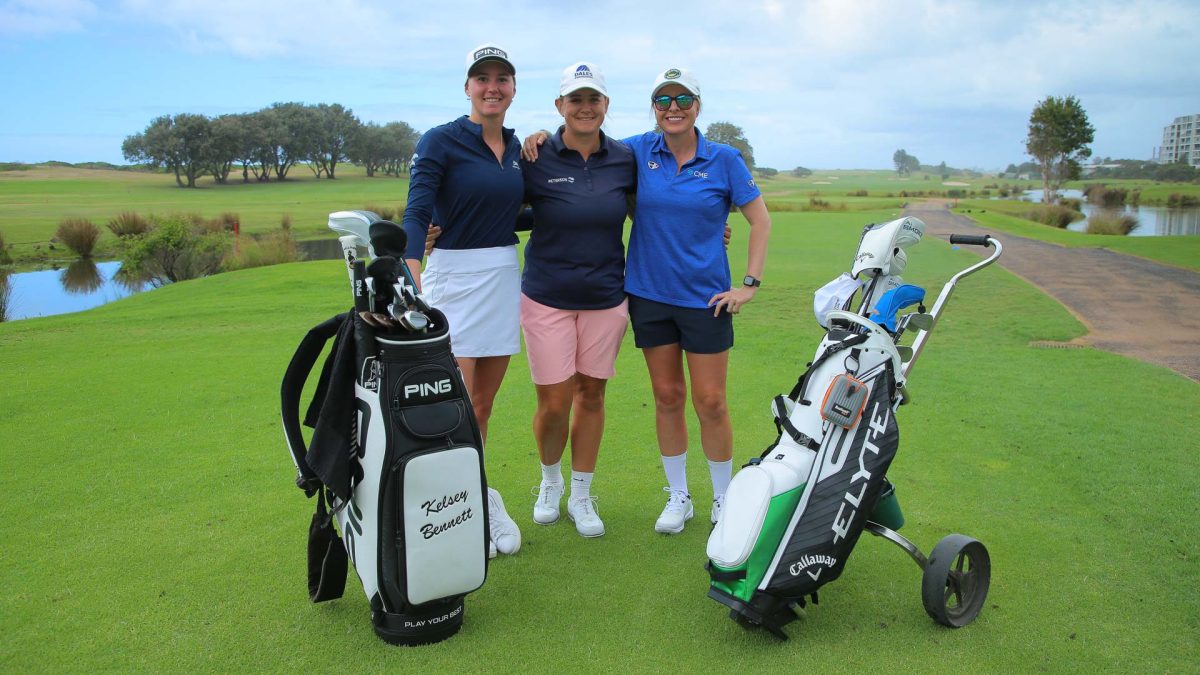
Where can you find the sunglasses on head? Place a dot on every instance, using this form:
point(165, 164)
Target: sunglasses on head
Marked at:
point(684, 101)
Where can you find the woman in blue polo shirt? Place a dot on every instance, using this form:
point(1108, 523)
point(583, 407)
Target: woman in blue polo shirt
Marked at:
point(466, 177)
point(681, 301)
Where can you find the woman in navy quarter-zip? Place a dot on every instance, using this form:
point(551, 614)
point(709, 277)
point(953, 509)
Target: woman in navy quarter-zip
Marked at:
point(466, 177)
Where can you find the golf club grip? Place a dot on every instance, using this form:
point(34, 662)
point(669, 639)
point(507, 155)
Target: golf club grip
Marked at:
point(970, 239)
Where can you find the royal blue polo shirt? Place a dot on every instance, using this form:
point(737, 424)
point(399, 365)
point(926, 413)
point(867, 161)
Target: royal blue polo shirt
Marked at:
point(676, 247)
point(575, 258)
point(456, 182)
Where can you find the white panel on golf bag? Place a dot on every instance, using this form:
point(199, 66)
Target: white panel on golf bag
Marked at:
point(748, 497)
point(359, 520)
point(443, 513)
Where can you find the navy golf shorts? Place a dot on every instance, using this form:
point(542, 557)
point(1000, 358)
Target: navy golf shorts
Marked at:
point(696, 330)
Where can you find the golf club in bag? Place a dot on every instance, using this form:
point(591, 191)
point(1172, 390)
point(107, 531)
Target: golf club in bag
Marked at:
point(395, 449)
point(792, 516)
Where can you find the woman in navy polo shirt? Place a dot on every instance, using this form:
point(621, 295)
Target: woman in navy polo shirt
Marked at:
point(466, 177)
point(573, 307)
point(677, 276)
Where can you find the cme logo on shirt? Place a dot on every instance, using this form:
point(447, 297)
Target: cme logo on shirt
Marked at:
point(652, 164)
point(697, 174)
point(568, 179)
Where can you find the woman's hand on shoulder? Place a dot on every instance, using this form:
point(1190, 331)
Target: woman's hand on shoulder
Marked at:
point(529, 149)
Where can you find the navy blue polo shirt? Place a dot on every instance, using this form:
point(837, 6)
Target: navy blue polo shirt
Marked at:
point(456, 182)
point(676, 247)
point(575, 258)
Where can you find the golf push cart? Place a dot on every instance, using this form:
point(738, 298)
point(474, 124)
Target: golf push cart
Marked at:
point(793, 515)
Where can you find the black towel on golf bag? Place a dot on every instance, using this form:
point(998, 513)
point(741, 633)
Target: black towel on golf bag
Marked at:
point(397, 450)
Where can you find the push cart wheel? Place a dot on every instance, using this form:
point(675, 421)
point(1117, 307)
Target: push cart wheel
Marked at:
point(955, 583)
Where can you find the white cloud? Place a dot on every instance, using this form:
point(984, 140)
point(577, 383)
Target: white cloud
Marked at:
point(44, 17)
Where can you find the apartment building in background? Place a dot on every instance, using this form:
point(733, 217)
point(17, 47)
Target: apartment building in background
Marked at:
point(1181, 142)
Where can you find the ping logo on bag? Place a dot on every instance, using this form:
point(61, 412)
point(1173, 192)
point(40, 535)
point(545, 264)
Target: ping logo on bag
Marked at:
point(427, 388)
point(425, 385)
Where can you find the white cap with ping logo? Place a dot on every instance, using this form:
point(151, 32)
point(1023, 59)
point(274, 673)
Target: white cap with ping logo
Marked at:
point(488, 52)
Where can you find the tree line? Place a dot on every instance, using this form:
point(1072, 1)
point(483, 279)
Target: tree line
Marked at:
point(268, 143)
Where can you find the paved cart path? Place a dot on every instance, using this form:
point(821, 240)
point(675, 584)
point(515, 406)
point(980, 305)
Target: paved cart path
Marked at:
point(1131, 306)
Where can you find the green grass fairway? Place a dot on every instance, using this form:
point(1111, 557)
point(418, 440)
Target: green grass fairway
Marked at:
point(151, 524)
point(33, 202)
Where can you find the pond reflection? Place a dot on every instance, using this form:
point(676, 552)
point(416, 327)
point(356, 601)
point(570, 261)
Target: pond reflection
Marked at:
point(82, 277)
point(82, 285)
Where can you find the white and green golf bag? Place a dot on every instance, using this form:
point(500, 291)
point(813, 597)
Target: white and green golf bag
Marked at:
point(793, 515)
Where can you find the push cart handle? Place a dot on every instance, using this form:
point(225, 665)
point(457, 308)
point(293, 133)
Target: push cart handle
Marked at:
point(970, 239)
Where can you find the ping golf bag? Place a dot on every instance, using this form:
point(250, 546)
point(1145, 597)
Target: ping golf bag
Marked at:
point(395, 450)
point(792, 516)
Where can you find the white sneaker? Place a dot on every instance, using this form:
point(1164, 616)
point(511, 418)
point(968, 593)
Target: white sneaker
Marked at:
point(677, 512)
point(545, 509)
point(717, 507)
point(504, 532)
point(582, 510)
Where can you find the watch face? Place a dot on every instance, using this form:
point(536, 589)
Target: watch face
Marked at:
point(751, 281)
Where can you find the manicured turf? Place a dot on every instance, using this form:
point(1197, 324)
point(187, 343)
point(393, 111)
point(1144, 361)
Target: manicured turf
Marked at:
point(151, 523)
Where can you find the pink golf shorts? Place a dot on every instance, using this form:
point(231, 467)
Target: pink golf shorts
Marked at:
point(562, 342)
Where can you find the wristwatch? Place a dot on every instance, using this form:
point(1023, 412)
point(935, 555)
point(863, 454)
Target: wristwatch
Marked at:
point(751, 282)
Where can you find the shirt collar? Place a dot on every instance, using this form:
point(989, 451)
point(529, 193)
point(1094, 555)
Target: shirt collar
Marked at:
point(477, 129)
point(703, 151)
point(557, 144)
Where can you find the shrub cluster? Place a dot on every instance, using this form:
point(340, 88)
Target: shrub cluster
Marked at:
point(1178, 201)
point(1107, 221)
point(857, 193)
point(128, 224)
point(79, 235)
point(1105, 197)
point(818, 204)
point(272, 248)
point(177, 248)
point(4, 257)
point(1053, 215)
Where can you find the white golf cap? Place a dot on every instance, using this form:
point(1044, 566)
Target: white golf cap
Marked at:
point(680, 76)
point(488, 52)
point(581, 75)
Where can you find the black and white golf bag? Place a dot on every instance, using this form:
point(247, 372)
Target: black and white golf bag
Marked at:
point(792, 516)
point(397, 453)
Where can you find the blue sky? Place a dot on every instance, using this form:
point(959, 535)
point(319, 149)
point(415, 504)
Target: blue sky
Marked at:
point(818, 83)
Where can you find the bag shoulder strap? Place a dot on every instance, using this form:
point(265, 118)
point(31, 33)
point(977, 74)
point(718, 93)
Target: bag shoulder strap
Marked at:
point(327, 559)
point(797, 392)
point(289, 395)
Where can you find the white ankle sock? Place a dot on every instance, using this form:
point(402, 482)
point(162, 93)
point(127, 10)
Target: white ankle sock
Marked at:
point(553, 472)
point(676, 470)
point(721, 473)
point(581, 484)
